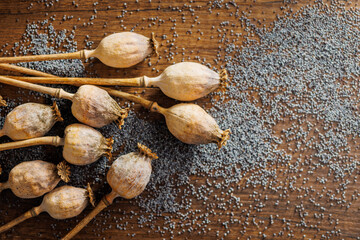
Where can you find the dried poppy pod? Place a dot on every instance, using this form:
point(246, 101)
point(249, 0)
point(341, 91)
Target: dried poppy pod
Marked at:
point(95, 107)
point(82, 144)
point(30, 120)
point(186, 81)
point(123, 50)
point(119, 50)
point(33, 179)
point(128, 176)
point(186, 121)
point(191, 124)
point(61, 203)
point(91, 105)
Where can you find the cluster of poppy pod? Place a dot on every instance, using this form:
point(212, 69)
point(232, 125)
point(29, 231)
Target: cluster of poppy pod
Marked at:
point(94, 107)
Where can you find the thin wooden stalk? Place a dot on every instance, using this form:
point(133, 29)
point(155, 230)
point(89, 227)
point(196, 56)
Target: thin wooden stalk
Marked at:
point(145, 103)
point(105, 202)
point(29, 214)
point(56, 92)
point(150, 105)
point(49, 140)
point(24, 70)
point(2, 133)
point(131, 82)
point(3, 186)
point(74, 55)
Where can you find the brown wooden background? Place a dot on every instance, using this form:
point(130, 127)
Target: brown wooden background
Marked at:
point(13, 18)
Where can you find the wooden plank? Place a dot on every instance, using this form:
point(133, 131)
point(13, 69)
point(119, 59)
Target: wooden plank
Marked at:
point(14, 15)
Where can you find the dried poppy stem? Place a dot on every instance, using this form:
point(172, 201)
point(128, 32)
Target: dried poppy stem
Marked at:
point(4, 185)
point(90, 104)
point(128, 176)
point(120, 50)
point(73, 55)
point(187, 122)
point(55, 92)
point(29, 214)
point(49, 140)
point(105, 202)
point(131, 97)
point(61, 203)
point(186, 81)
point(24, 70)
point(131, 82)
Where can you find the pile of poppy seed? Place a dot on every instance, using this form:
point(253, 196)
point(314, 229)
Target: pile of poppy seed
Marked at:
point(292, 106)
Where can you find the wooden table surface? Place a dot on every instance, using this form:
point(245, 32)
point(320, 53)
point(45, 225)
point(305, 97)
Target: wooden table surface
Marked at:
point(13, 19)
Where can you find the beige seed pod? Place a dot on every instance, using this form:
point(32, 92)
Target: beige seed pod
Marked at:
point(30, 120)
point(65, 202)
point(95, 107)
point(187, 81)
point(123, 50)
point(191, 124)
point(84, 145)
point(61, 203)
point(128, 176)
point(33, 179)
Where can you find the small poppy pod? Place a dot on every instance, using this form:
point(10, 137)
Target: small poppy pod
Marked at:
point(188, 81)
point(193, 125)
point(129, 174)
point(94, 107)
point(30, 120)
point(84, 145)
point(66, 201)
point(123, 50)
point(61, 203)
point(33, 179)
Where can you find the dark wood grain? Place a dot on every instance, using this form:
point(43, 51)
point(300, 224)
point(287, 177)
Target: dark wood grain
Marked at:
point(13, 19)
